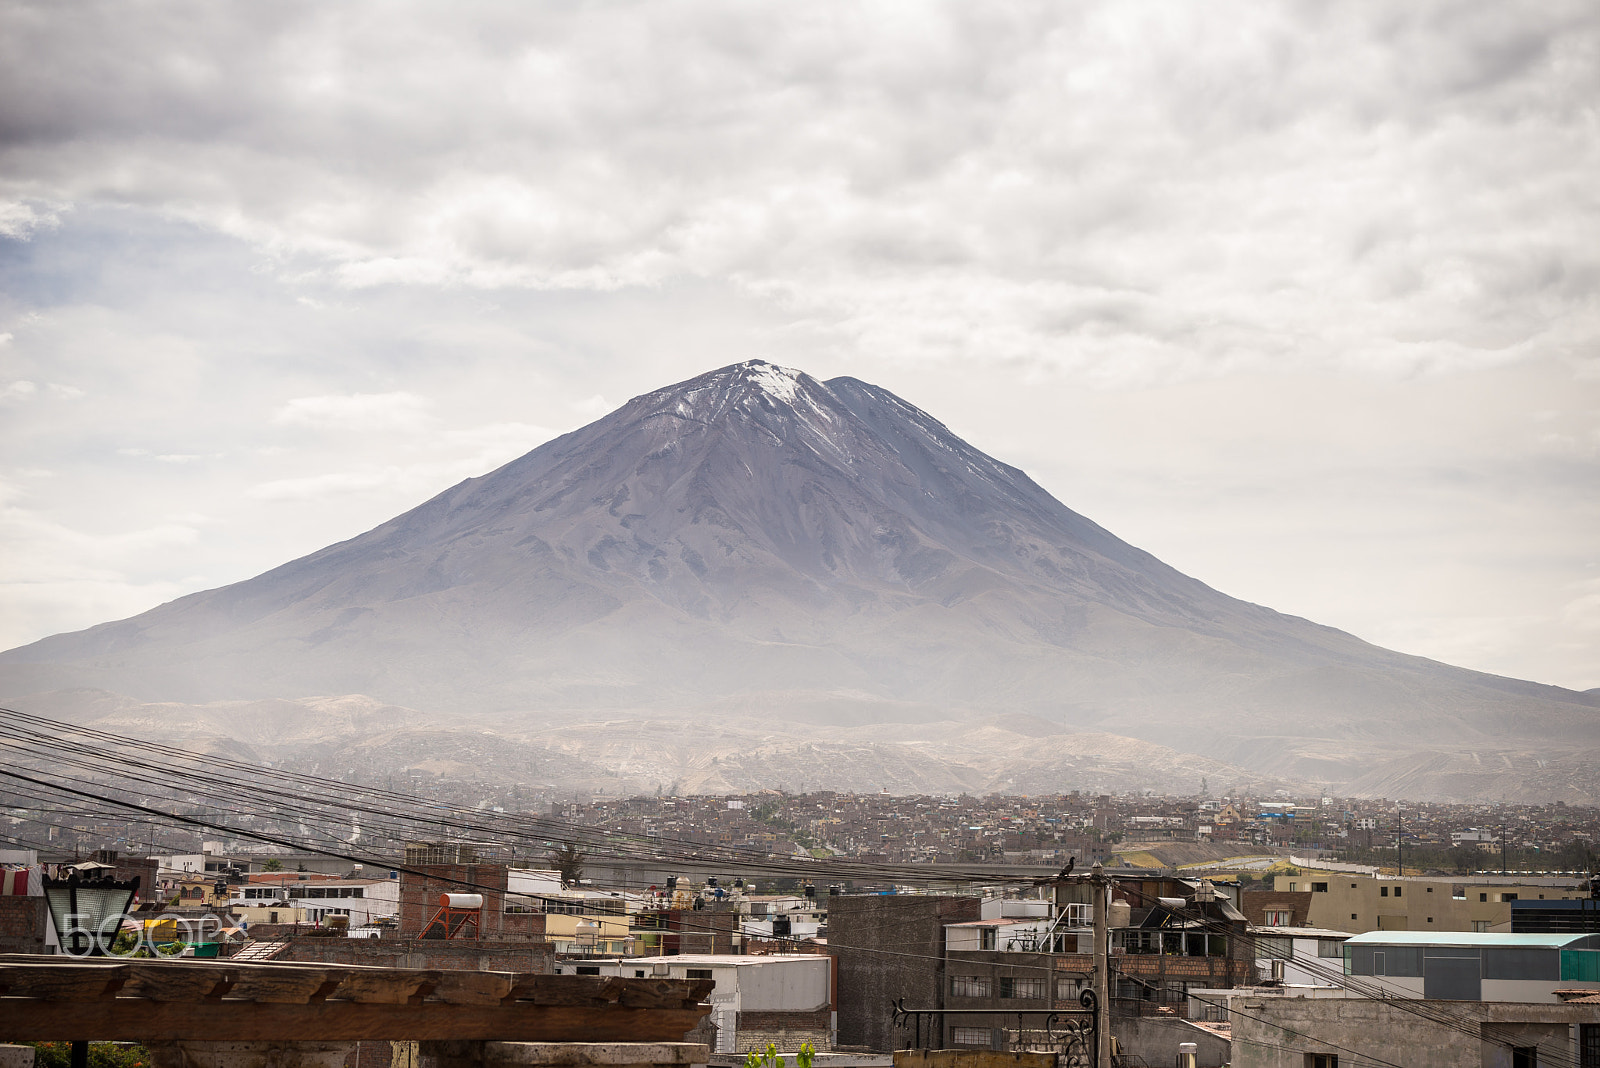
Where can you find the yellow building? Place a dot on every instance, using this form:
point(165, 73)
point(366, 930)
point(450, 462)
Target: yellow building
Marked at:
point(1361, 903)
point(589, 935)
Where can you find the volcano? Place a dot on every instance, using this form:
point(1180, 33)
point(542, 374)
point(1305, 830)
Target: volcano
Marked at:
point(757, 546)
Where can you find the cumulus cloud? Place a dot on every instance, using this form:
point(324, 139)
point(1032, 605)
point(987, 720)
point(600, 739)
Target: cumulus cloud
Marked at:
point(1142, 248)
point(1139, 189)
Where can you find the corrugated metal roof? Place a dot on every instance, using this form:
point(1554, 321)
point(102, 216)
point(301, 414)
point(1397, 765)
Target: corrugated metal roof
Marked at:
point(1483, 939)
point(1298, 932)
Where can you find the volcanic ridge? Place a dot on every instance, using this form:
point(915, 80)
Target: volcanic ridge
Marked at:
point(755, 579)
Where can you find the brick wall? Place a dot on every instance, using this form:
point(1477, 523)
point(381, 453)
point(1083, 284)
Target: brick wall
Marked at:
point(419, 894)
point(788, 1040)
point(1257, 903)
point(23, 923)
point(889, 947)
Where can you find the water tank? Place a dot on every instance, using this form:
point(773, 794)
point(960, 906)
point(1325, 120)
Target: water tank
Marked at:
point(461, 901)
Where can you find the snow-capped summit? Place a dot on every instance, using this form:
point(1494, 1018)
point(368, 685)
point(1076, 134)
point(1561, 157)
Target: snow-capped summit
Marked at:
point(755, 536)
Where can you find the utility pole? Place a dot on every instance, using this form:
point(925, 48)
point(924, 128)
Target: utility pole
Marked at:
point(1102, 969)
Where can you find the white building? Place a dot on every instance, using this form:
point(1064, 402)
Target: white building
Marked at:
point(1299, 956)
point(785, 998)
point(363, 900)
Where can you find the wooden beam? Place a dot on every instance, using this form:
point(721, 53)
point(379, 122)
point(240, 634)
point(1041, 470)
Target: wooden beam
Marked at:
point(144, 1020)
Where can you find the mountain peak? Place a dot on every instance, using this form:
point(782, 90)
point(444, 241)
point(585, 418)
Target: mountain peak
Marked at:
point(756, 539)
point(780, 382)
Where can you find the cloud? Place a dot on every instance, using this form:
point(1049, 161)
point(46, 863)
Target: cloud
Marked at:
point(1140, 190)
point(473, 452)
point(1215, 270)
point(1583, 611)
point(19, 220)
point(356, 411)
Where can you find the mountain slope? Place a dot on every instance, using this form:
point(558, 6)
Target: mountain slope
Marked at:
point(754, 539)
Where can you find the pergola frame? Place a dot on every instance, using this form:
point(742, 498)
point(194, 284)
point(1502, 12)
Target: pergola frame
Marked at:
point(62, 999)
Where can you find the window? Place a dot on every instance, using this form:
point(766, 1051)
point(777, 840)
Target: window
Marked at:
point(970, 986)
point(589, 969)
point(1322, 1060)
point(1330, 947)
point(978, 1037)
point(1508, 897)
point(1279, 918)
point(1397, 890)
point(1483, 897)
point(1430, 889)
point(1032, 989)
point(1069, 989)
point(697, 973)
point(986, 939)
point(1480, 925)
point(1383, 891)
point(1293, 887)
point(1524, 1057)
point(1319, 888)
point(638, 973)
point(1270, 947)
point(1458, 893)
point(1352, 915)
point(1589, 1046)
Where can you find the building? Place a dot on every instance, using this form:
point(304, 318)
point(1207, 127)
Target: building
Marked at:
point(1360, 903)
point(1296, 1032)
point(589, 936)
point(890, 947)
point(423, 885)
point(785, 999)
point(1474, 967)
point(1571, 916)
point(1299, 956)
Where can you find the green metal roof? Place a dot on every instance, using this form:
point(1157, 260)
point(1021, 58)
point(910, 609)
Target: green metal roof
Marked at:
point(1481, 939)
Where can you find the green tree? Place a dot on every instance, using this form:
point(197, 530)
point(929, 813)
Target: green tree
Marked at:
point(568, 860)
point(272, 864)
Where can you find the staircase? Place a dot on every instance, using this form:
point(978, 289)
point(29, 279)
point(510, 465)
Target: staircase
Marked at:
point(261, 950)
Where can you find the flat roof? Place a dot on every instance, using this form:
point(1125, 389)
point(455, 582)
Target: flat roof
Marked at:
point(1484, 939)
point(700, 959)
point(1299, 932)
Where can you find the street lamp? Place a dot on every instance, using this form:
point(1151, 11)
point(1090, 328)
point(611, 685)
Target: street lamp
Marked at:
point(82, 908)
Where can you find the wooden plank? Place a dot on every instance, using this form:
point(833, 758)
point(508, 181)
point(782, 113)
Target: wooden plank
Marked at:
point(294, 984)
point(67, 982)
point(388, 986)
point(178, 983)
point(142, 1020)
point(473, 988)
point(664, 993)
point(570, 989)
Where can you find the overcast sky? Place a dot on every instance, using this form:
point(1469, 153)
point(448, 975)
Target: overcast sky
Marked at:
point(1300, 297)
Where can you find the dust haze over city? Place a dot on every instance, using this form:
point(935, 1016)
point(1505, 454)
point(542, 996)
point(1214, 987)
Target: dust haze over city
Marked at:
point(720, 398)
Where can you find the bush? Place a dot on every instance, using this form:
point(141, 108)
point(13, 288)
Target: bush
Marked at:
point(768, 1058)
point(101, 1055)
